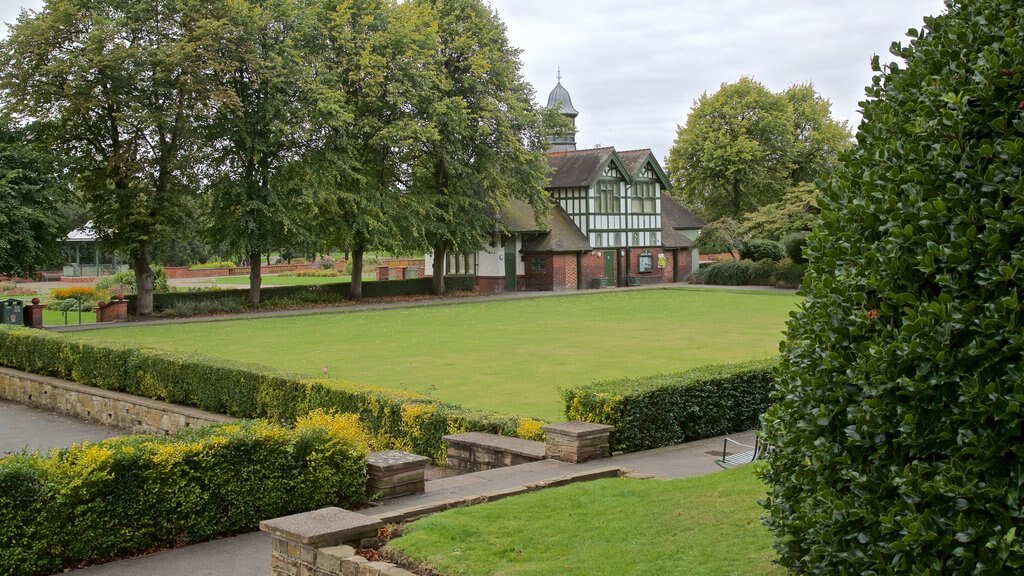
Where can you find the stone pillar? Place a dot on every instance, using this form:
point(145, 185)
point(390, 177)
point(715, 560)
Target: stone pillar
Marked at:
point(34, 314)
point(117, 310)
point(577, 441)
point(395, 473)
point(313, 544)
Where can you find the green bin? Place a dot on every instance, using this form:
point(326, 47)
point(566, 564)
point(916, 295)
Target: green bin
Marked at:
point(632, 280)
point(12, 312)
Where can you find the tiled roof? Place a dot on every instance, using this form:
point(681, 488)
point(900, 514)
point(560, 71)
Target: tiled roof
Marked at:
point(634, 159)
point(563, 235)
point(676, 216)
point(671, 238)
point(519, 216)
point(576, 167)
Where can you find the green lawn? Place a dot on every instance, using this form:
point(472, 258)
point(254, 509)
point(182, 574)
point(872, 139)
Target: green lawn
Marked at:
point(509, 356)
point(698, 526)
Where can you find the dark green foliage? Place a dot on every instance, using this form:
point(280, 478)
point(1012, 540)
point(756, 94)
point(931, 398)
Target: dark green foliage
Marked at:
point(784, 274)
point(237, 300)
point(762, 250)
point(129, 494)
point(667, 409)
point(394, 418)
point(794, 245)
point(898, 424)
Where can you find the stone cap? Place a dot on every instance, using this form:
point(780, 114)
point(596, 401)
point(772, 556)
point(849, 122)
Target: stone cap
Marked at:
point(578, 429)
point(395, 460)
point(503, 443)
point(323, 527)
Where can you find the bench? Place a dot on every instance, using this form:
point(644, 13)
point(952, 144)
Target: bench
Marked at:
point(737, 458)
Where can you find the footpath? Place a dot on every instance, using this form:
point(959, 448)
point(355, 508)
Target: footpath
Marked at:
point(249, 554)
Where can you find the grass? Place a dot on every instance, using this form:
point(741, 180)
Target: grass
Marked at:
point(508, 356)
point(697, 526)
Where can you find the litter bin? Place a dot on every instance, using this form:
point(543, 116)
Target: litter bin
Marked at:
point(12, 312)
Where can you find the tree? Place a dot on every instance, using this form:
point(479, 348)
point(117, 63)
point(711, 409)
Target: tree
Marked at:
point(818, 138)
point(897, 428)
point(261, 127)
point(31, 186)
point(374, 82)
point(123, 86)
point(733, 154)
point(722, 235)
point(796, 212)
point(490, 141)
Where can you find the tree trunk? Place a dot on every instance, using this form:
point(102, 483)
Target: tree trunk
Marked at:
point(437, 283)
point(143, 282)
point(737, 200)
point(255, 280)
point(355, 289)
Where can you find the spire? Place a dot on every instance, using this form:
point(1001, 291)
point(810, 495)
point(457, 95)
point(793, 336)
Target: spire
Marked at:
point(559, 100)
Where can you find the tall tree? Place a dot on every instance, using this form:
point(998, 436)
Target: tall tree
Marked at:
point(818, 139)
point(374, 78)
point(733, 153)
point(261, 127)
point(31, 187)
point(123, 84)
point(491, 140)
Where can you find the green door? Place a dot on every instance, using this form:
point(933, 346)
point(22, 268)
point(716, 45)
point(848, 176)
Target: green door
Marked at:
point(510, 264)
point(609, 266)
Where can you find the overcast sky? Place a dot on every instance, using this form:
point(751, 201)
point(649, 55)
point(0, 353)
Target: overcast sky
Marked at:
point(634, 67)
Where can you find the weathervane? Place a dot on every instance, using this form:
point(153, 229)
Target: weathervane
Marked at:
point(559, 75)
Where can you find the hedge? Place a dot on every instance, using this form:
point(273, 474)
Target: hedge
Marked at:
point(668, 409)
point(395, 419)
point(329, 292)
point(784, 274)
point(127, 495)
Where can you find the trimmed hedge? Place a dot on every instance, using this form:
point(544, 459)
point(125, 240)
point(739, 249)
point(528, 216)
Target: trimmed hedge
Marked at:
point(668, 409)
point(784, 274)
point(125, 495)
point(321, 293)
point(395, 419)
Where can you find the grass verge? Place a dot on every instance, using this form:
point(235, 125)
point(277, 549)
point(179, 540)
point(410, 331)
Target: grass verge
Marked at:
point(697, 526)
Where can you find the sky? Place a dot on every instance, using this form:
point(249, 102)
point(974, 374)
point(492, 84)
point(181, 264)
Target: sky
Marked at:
point(635, 67)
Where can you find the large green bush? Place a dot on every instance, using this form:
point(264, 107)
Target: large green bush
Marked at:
point(667, 409)
point(762, 250)
point(129, 494)
point(395, 419)
point(898, 425)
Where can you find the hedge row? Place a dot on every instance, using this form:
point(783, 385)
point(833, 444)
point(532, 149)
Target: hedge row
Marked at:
point(784, 274)
point(669, 409)
point(125, 495)
point(329, 292)
point(395, 419)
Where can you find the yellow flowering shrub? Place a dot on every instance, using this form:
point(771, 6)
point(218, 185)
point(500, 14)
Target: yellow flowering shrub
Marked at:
point(529, 429)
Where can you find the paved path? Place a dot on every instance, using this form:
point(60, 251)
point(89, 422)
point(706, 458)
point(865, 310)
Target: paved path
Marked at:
point(22, 427)
point(250, 553)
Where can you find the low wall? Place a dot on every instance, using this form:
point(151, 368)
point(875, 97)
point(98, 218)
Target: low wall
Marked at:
point(125, 411)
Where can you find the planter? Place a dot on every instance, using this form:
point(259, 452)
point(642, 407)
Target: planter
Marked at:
point(632, 280)
point(599, 282)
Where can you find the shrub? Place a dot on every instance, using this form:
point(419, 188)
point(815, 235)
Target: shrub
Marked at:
point(130, 494)
point(897, 426)
point(126, 281)
point(394, 419)
point(794, 245)
point(329, 273)
point(788, 274)
point(762, 250)
point(212, 265)
point(301, 295)
point(325, 263)
point(668, 409)
point(74, 293)
point(729, 273)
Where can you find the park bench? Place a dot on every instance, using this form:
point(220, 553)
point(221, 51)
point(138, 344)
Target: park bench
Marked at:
point(736, 458)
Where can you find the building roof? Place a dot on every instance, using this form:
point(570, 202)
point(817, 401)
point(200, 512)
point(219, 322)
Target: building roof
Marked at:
point(679, 218)
point(86, 233)
point(562, 235)
point(634, 160)
point(518, 216)
point(577, 167)
point(559, 100)
point(671, 238)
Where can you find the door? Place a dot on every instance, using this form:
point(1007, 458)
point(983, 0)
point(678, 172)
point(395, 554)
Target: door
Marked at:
point(609, 266)
point(510, 264)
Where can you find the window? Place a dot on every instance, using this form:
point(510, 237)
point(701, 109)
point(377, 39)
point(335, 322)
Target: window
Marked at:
point(538, 264)
point(643, 200)
point(606, 198)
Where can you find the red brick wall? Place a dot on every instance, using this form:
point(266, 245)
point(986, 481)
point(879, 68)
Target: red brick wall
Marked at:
point(685, 264)
point(655, 276)
point(593, 267)
point(539, 280)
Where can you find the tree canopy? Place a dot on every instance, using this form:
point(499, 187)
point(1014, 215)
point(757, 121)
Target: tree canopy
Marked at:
point(896, 431)
point(743, 147)
point(31, 187)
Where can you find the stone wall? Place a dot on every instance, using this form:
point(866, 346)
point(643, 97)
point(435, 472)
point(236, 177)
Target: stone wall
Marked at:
point(125, 411)
point(476, 451)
